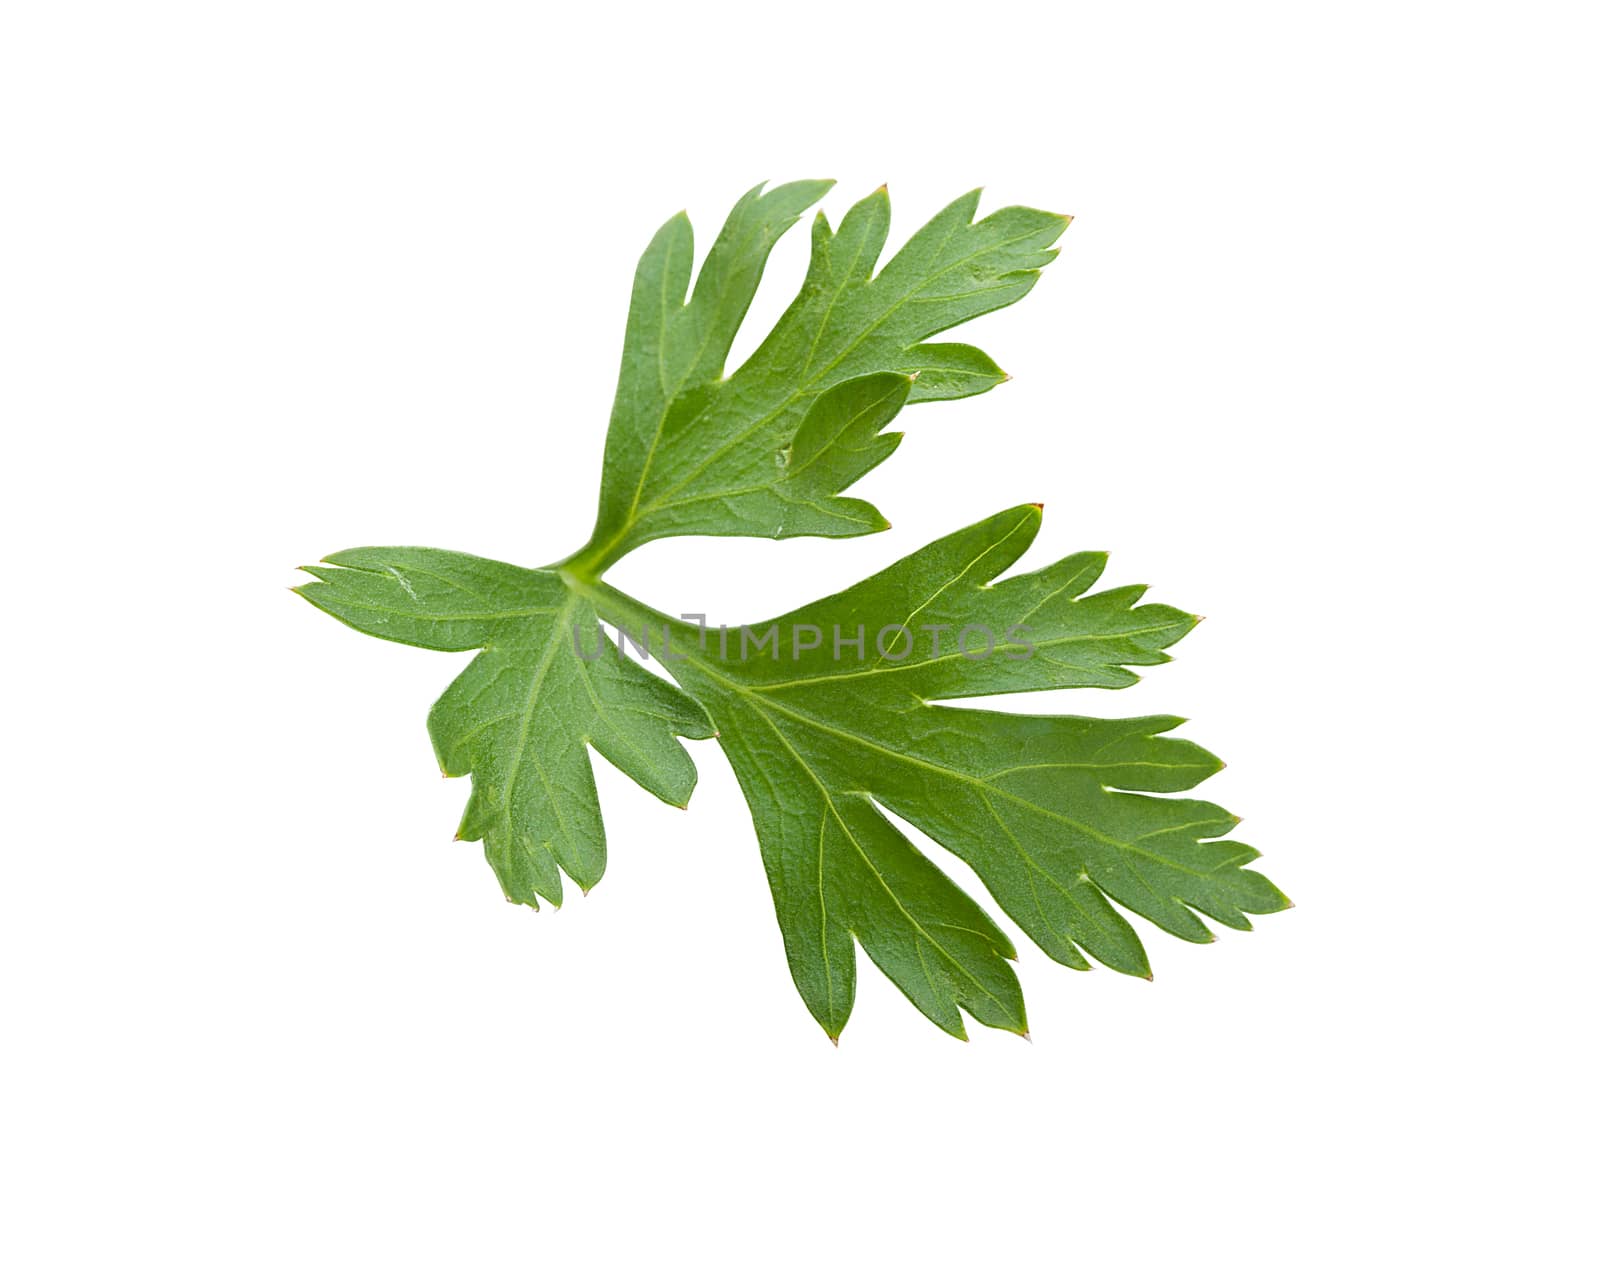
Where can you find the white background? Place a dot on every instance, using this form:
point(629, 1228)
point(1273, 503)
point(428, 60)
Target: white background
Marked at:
point(1316, 361)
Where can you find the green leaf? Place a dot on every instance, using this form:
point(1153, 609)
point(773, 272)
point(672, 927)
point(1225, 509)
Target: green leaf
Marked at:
point(825, 714)
point(691, 453)
point(520, 715)
point(829, 714)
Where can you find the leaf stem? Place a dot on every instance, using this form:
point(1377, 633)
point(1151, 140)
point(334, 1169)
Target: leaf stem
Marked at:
point(611, 604)
point(589, 562)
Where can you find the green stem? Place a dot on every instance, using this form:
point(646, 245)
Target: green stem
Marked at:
point(591, 561)
point(616, 607)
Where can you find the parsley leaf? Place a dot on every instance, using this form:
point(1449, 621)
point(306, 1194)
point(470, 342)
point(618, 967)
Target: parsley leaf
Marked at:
point(828, 714)
point(689, 453)
point(519, 716)
point(825, 714)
